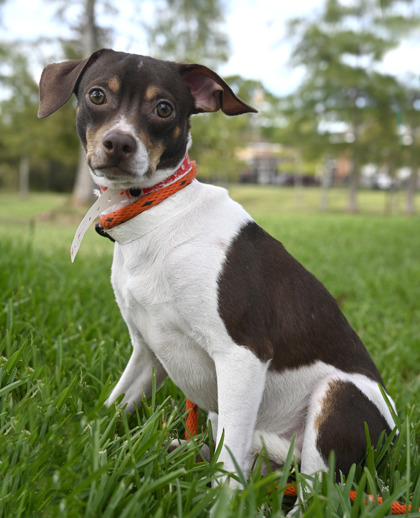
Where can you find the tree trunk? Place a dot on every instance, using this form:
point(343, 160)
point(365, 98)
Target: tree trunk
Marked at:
point(391, 195)
point(299, 183)
point(83, 186)
point(326, 182)
point(410, 197)
point(24, 176)
point(391, 203)
point(91, 31)
point(352, 205)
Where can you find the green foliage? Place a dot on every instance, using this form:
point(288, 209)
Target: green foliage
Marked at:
point(87, 35)
point(345, 105)
point(189, 31)
point(53, 141)
point(216, 140)
point(63, 345)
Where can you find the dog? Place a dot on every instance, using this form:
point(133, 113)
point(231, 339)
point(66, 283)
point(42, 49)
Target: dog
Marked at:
point(209, 298)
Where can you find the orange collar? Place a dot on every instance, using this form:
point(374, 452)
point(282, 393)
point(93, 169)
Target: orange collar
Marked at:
point(152, 196)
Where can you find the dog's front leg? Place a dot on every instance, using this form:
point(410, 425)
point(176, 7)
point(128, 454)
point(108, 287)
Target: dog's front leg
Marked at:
point(137, 378)
point(240, 386)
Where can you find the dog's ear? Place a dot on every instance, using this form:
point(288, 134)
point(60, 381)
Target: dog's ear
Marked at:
point(210, 92)
point(59, 81)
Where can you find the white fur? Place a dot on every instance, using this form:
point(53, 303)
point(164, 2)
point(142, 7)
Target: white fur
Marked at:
point(165, 276)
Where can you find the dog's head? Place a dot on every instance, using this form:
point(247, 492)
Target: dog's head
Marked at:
point(133, 111)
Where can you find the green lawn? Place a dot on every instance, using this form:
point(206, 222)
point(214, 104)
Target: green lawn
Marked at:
point(63, 345)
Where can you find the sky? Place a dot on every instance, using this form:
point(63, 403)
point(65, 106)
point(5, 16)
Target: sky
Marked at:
point(256, 28)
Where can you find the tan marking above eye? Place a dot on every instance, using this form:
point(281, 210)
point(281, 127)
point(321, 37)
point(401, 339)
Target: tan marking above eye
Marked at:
point(177, 132)
point(114, 85)
point(151, 93)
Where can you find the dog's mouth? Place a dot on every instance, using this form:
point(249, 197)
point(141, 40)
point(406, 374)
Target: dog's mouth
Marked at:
point(120, 177)
point(112, 172)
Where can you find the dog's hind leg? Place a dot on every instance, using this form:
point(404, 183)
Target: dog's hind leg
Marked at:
point(339, 409)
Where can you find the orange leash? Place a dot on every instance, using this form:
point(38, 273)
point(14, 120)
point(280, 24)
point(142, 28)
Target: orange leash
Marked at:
point(191, 423)
point(191, 420)
point(145, 202)
point(396, 507)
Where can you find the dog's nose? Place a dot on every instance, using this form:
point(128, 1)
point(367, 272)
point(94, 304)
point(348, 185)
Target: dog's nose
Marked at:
point(119, 146)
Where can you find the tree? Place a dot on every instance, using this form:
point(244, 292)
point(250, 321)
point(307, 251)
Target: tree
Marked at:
point(409, 128)
point(24, 143)
point(188, 31)
point(341, 48)
point(16, 112)
point(217, 138)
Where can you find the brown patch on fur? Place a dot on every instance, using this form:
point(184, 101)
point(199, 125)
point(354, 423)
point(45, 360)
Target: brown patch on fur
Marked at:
point(151, 93)
point(326, 404)
point(177, 132)
point(271, 304)
point(341, 424)
point(114, 85)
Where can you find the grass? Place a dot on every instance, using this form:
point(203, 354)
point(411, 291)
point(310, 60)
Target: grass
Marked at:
point(63, 345)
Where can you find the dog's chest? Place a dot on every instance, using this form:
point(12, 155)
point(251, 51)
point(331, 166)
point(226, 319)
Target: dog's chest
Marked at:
point(152, 301)
point(166, 284)
point(169, 272)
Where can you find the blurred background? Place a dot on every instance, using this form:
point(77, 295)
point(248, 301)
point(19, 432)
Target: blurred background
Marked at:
point(336, 83)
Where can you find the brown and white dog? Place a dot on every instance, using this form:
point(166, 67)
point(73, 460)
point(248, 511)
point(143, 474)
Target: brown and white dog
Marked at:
point(210, 299)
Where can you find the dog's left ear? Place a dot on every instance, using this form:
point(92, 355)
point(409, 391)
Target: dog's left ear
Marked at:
point(210, 92)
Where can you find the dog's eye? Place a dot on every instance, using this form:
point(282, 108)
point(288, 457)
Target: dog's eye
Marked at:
point(97, 96)
point(164, 109)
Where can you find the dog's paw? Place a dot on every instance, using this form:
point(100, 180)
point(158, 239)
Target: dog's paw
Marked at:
point(204, 454)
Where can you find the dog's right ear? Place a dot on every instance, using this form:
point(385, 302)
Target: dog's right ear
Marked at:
point(59, 81)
